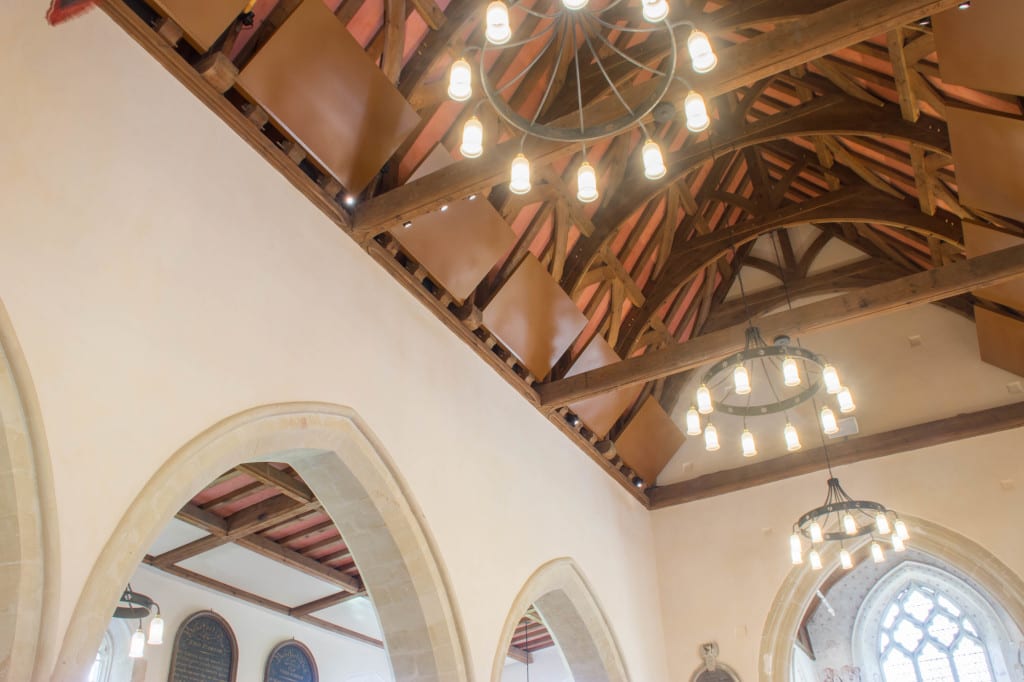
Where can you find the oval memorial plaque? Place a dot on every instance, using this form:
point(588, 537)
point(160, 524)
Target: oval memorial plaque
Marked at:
point(291, 661)
point(205, 650)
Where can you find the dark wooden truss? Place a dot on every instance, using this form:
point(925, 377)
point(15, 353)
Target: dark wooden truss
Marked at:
point(825, 112)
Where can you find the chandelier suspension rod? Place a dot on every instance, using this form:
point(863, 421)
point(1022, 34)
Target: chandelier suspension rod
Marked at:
point(551, 81)
point(600, 65)
point(579, 86)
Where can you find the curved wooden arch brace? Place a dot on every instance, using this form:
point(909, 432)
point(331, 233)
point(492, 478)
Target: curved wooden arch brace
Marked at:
point(858, 204)
point(831, 115)
point(802, 584)
point(29, 578)
point(575, 620)
point(355, 481)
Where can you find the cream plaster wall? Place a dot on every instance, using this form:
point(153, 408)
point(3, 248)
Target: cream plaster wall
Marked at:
point(162, 277)
point(721, 561)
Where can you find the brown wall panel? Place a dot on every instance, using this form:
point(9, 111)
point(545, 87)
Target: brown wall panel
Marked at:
point(1000, 340)
point(649, 441)
point(458, 247)
point(202, 20)
point(534, 317)
point(988, 153)
point(317, 82)
point(601, 412)
point(980, 240)
point(980, 47)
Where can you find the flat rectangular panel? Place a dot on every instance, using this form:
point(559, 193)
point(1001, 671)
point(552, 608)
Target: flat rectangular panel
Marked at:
point(458, 247)
point(649, 440)
point(1000, 340)
point(202, 20)
point(319, 84)
point(988, 153)
point(534, 318)
point(980, 240)
point(980, 47)
point(601, 412)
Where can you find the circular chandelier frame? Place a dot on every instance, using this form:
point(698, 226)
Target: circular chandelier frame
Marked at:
point(565, 24)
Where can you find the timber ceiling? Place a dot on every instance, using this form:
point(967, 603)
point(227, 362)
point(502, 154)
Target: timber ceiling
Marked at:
point(830, 113)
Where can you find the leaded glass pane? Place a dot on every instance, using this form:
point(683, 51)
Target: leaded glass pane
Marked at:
point(934, 664)
point(943, 629)
point(898, 667)
point(918, 605)
point(948, 605)
point(907, 635)
point(971, 662)
point(890, 615)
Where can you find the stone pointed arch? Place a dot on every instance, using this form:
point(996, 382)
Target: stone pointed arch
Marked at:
point(358, 486)
point(28, 547)
point(575, 620)
point(802, 583)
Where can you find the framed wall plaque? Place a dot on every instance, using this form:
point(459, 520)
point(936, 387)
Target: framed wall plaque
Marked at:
point(205, 650)
point(291, 661)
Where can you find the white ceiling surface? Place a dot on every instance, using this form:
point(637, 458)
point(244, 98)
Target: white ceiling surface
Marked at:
point(894, 384)
point(251, 572)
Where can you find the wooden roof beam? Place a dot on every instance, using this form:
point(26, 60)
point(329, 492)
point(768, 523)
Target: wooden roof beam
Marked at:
point(848, 451)
point(789, 45)
point(917, 289)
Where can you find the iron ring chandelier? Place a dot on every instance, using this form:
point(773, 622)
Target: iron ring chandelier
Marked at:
point(564, 37)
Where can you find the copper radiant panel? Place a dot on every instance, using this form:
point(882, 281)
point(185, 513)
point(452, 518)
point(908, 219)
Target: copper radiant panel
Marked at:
point(459, 246)
point(534, 318)
point(980, 240)
point(980, 47)
point(203, 21)
point(319, 84)
point(600, 412)
point(649, 441)
point(988, 152)
point(1000, 340)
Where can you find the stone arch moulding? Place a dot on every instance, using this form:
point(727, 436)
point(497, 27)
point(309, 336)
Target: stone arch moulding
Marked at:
point(28, 545)
point(801, 584)
point(567, 604)
point(359, 488)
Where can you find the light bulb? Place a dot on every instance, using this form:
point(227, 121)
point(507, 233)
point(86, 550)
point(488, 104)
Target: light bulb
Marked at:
point(460, 81)
point(654, 162)
point(897, 543)
point(849, 524)
point(138, 644)
point(882, 523)
point(574, 4)
point(696, 113)
point(586, 183)
point(876, 553)
point(710, 438)
point(692, 422)
point(815, 559)
point(901, 530)
point(499, 30)
point(741, 380)
point(156, 630)
point(795, 549)
point(831, 378)
point(792, 437)
point(845, 400)
point(816, 534)
point(845, 560)
point(655, 10)
point(472, 138)
point(520, 176)
point(704, 400)
point(747, 441)
point(702, 56)
point(828, 421)
point(790, 372)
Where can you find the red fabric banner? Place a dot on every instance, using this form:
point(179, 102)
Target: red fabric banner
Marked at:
point(62, 10)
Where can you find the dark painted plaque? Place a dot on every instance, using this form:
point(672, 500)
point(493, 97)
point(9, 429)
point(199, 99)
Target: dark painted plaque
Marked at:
point(291, 661)
point(205, 650)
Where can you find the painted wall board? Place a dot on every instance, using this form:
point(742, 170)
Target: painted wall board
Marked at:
point(1000, 340)
point(601, 412)
point(979, 240)
point(201, 20)
point(980, 47)
point(988, 153)
point(649, 441)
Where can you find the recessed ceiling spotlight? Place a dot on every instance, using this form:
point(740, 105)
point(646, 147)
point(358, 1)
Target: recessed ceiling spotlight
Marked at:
point(966, 4)
point(925, 22)
point(638, 482)
point(407, 224)
point(350, 200)
point(444, 208)
point(572, 418)
point(472, 197)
